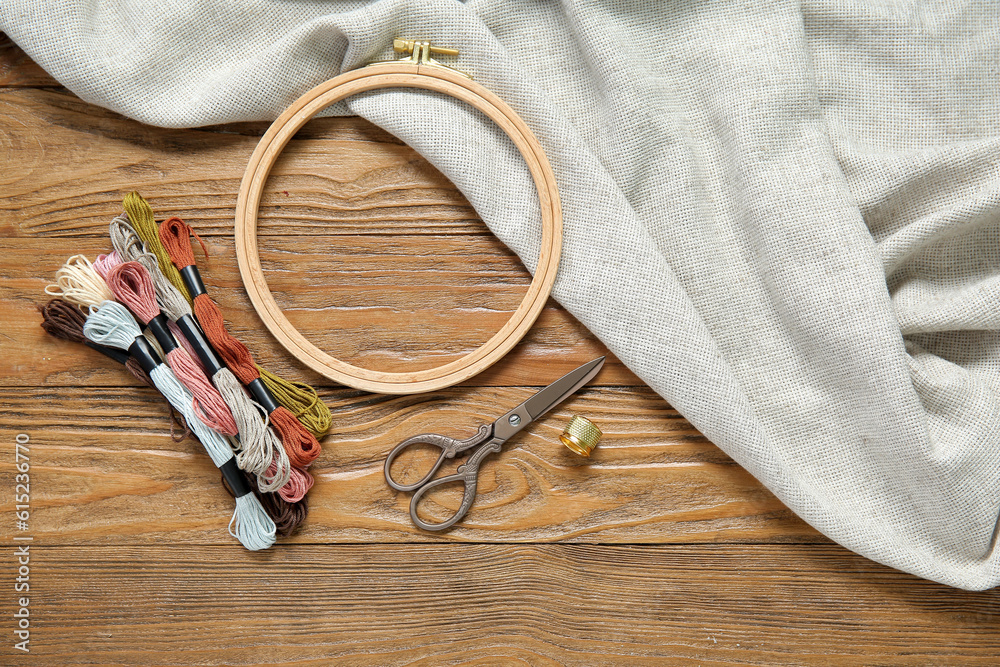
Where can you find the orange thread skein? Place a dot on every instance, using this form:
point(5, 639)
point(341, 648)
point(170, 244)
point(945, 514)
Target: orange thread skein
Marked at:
point(301, 446)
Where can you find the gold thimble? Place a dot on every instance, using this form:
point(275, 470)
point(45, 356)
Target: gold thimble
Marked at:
point(581, 435)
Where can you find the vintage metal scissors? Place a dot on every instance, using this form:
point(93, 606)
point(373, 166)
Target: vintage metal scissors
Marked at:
point(489, 439)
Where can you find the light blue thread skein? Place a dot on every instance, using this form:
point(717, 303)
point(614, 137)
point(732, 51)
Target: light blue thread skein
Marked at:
point(113, 325)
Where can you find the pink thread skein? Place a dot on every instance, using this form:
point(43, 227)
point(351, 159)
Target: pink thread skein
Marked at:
point(104, 263)
point(133, 286)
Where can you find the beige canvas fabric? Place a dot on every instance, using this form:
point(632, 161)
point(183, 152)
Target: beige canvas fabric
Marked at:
point(784, 216)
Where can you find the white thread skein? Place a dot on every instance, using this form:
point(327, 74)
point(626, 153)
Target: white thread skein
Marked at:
point(113, 325)
point(78, 282)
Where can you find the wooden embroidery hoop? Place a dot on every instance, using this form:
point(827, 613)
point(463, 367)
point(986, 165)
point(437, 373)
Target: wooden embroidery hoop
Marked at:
point(416, 71)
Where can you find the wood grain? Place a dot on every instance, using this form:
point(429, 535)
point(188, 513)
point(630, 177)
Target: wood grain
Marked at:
point(107, 472)
point(497, 605)
point(70, 164)
point(383, 302)
point(18, 70)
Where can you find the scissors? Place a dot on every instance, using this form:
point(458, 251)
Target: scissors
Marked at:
point(489, 439)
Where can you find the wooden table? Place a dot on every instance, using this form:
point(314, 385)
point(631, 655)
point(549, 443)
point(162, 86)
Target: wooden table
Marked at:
point(658, 550)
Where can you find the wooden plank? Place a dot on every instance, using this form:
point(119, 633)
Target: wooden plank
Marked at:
point(17, 70)
point(70, 163)
point(104, 471)
point(384, 302)
point(495, 605)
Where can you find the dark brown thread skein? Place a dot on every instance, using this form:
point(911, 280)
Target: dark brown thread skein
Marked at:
point(63, 320)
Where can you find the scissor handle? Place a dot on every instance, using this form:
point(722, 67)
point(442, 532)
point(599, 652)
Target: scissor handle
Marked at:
point(468, 474)
point(450, 447)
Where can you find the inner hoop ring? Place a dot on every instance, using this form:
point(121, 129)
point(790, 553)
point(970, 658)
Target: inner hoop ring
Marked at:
point(375, 77)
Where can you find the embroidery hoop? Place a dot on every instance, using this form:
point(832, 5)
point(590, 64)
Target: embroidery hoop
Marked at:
point(422, 72)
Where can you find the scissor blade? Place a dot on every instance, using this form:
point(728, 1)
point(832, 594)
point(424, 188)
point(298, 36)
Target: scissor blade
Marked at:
point(562, 388)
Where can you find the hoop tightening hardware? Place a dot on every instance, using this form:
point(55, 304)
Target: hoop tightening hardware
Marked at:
point(419, 53)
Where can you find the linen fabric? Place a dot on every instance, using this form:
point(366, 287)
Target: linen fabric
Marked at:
point(784, 216)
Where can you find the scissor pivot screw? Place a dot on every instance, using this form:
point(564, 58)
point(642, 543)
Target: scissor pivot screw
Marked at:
point(514, 420)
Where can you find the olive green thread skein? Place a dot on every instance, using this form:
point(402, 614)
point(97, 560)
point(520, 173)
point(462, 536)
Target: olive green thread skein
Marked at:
point(301, 400)
point(140, 216)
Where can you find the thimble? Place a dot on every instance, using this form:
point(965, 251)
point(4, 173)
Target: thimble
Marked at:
point(581, 435)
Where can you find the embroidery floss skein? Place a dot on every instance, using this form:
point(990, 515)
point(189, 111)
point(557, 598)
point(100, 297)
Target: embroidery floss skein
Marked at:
point(186, 344)
point(298, 397)
point(140, 216)
point(304, 447)
point(104, 263)
point(78, 282)
point(261, 454)
point(62, 320)
point(132, 285)
point(113, 325)
point(130, 247)
point(301, 399)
